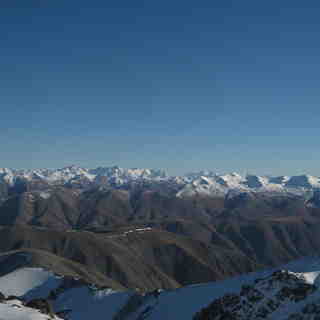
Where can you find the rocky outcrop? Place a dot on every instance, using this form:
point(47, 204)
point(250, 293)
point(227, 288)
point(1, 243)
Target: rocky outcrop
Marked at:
point(263, 299)
point(42, 305)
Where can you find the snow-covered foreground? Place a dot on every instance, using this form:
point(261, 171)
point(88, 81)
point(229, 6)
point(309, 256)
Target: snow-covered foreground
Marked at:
point(34, 283)
point(14, 310)
point(29, 283)
point(83, 302)
point(86, 303)
point(185, 302)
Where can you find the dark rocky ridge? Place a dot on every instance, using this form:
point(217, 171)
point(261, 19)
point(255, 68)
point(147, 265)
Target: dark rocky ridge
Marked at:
point(263, 299)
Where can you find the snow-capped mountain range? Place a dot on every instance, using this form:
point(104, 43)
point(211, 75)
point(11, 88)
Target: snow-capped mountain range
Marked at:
point(203, 182)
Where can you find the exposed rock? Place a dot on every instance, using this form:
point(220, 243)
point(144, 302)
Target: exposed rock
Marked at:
point(260, 300)
point(42, 305)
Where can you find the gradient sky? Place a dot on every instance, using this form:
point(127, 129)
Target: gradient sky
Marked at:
point(181, 85)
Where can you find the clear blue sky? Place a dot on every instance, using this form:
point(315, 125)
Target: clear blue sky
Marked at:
point(182, 85)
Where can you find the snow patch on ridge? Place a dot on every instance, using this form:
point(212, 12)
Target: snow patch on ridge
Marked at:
point(29, 283)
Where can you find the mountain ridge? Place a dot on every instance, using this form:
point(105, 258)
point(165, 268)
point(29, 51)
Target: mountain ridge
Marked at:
point(198, 183)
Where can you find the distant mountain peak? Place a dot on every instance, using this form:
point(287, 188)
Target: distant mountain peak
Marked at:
point(204, 182)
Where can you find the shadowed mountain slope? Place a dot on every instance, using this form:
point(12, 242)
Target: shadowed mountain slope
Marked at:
point(137, 259)
point(12, 260)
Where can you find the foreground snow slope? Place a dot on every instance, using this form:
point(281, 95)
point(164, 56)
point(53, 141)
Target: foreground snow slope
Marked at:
point(29, 283)
point(14, 310)
point(185, 302)
point(170, 305)
point(85, 302)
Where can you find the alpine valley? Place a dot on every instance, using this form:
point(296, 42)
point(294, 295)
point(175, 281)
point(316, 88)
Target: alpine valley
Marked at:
point(134, 244)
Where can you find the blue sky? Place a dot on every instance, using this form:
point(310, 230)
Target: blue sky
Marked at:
point(181, 85)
